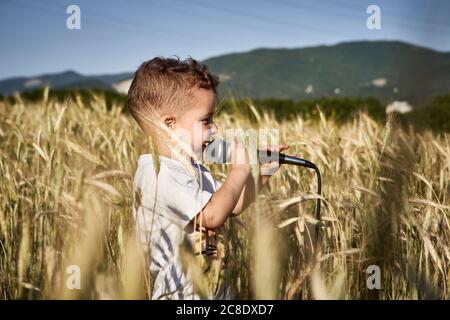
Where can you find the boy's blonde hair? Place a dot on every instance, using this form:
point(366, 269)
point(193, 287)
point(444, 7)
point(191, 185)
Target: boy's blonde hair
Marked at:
point(166, 85)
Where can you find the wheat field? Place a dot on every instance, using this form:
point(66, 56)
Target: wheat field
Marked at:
point(66, 196)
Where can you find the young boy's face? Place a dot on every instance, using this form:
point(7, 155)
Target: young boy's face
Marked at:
point(197, 121)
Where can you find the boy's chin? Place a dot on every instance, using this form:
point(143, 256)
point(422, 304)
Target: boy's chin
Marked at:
point(199, 152)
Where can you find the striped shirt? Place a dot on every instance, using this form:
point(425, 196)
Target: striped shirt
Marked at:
point(164, 204)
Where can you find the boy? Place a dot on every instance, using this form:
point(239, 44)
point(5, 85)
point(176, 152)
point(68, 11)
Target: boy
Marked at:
point(176, 198)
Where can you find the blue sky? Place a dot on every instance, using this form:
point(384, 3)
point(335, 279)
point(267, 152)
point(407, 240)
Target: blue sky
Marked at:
point(118, 35)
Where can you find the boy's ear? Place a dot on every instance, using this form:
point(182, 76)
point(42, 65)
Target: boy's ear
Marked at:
point(169, 120)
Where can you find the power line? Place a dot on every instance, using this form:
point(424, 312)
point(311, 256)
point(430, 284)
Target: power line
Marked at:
point(217, 19)
point(165, 31)
point(350, 12)
point(397, 14)
point(263, 19)
point(390, 16)
point(119, 24)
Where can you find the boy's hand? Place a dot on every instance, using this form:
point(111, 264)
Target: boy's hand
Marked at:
point(229, 198)
point(270, 168)
point(239, 157)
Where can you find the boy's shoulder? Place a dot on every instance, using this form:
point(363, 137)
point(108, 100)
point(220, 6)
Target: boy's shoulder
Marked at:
point(146, 161)
point(177, 194)
point(168, 170)
point(171, 173)
point(148, 171)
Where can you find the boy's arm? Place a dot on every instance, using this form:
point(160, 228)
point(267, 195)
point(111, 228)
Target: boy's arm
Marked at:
point(248, 195)
point(225, 199)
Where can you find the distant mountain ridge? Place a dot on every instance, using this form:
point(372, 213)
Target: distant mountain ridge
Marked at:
point(64, 80)
point(387, 70)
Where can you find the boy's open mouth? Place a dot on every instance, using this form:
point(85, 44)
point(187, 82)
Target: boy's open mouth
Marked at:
point(207, 142)
point(204, 144)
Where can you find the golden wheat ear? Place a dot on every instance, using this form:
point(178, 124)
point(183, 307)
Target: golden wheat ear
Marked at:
point(66, 200)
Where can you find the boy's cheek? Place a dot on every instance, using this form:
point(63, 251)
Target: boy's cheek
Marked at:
point(206, 135)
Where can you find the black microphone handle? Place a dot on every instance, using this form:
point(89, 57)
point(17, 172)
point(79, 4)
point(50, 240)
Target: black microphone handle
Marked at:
point(267, 156)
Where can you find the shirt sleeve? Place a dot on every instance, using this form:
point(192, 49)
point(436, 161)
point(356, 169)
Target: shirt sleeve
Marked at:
point(217, 183)
point(182, 197)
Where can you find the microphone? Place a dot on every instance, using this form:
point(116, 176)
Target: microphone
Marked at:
point(219, 151)
point(267, 156)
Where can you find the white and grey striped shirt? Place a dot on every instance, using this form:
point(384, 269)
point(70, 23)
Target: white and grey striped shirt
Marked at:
point(164, 204)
